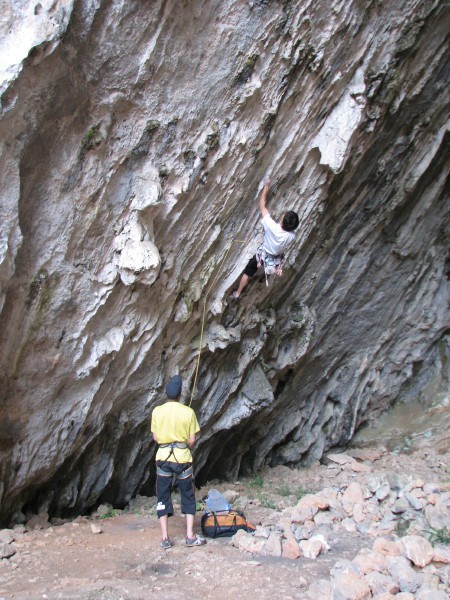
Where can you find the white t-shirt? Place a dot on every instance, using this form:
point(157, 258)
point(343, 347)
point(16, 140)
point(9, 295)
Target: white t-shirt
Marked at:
point(276, 240)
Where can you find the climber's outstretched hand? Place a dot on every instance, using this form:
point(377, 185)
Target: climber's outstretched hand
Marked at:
point(263, 197)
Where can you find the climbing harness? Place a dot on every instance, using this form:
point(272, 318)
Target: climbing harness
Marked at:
point(233, 241)
point(272, 264)
point(172, 446)
point(160, 469)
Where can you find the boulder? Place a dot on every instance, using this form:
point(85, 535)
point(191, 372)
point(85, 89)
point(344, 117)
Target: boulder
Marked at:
point(401, 571)
point(375, 482)
point(272, 546)
point(400, 506)
point(416, 503)
point(290, 548)
point(303, 513)
point(7, 536)
point(381, 584)
point(6, 550)
point(316, 545)
point(95, 528)
point(416, 483)
point(39, 521)
point(262, 532)
point(438, 516)
point(247, 542)
point(104, 510)
point(358, 513)
point(289, 545)
point(383, 492)
point(352, 495)
point(324, 518)
point(231, 495)
point(441, 554)
point(419, 551)
point(370, 560)
point(359, 467)
point(341, 459)
point(350, 586)
point(344, 567)
point(431, 595)
point(348, 524)
point(314, 501)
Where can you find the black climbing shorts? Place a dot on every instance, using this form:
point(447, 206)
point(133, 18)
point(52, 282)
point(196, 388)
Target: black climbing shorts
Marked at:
point(252, 267)
point(164, 489)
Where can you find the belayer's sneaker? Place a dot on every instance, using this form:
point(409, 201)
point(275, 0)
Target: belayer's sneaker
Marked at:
point(195, 541)
point(166, 544)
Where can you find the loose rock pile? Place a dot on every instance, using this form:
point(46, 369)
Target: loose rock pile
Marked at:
point(384, 509)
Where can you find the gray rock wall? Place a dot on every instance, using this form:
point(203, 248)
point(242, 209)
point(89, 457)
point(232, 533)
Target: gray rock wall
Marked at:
point(134, 140)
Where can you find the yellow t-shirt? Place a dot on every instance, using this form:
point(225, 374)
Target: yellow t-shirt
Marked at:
point(174, 422)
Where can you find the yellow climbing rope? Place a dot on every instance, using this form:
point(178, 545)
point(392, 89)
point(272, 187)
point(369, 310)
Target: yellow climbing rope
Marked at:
point(233, 241)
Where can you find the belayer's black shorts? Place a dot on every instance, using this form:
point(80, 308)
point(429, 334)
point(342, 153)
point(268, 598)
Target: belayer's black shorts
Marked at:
point(164, 489)
point(252, 267)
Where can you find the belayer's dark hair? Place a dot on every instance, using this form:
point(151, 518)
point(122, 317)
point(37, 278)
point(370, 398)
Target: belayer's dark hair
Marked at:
point(290, 221)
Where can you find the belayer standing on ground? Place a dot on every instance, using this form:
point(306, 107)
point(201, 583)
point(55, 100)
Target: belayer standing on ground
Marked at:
point(277, 237)
point(174, 427)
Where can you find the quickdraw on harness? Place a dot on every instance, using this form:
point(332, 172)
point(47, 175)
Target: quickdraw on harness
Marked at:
point(272, 264)
point(172, 445)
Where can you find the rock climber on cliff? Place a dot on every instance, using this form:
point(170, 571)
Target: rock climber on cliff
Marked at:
point(277, 237)
point(174, 427)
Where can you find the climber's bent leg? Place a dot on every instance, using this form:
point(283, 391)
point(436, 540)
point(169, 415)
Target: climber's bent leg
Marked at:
point(249, 271)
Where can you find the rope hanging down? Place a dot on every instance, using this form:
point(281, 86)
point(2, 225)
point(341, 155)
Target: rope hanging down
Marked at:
point(204, 314)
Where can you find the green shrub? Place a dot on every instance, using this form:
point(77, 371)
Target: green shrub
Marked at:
point(265, 501)
point(438, 536)
point(110, 513)
point(300, 492)
point(402, 526)
point(284, 490)
point(256, 481)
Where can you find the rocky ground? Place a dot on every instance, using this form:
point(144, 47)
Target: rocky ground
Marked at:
point(367, 523)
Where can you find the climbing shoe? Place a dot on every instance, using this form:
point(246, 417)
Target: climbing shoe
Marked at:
point(166, 544)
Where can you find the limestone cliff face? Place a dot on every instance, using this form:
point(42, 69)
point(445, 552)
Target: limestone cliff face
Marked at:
point(134, 137)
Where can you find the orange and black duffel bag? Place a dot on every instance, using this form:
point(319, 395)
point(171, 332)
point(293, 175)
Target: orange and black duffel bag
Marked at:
point(224, 524)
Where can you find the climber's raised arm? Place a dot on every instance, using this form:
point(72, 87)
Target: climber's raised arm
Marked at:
point(263, 198)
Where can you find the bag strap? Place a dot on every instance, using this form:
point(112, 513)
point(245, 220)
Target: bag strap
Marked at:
point(216, 524)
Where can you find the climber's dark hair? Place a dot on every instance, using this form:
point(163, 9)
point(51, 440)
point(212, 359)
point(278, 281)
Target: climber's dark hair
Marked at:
point(290, 221)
